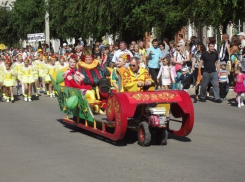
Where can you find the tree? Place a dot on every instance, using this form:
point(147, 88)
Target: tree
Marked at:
point(28, 17)
point(8, 35)
point(216, 12)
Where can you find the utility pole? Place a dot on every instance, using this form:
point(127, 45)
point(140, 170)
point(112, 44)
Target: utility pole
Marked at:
point(47, 31)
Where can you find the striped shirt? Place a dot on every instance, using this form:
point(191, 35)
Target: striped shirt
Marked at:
point(223, 76)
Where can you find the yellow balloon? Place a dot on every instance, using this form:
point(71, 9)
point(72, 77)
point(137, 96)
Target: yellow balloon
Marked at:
point(2, 46)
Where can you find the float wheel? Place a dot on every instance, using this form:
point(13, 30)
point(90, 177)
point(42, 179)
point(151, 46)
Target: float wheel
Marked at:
point(161, 136)
point(144, 134)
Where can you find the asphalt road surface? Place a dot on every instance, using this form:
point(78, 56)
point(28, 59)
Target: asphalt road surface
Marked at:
point(35, 146)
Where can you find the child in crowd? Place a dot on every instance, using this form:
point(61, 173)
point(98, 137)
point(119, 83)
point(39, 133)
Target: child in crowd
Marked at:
point(223, 81)
point(240, 88)
point(40, 65)
point(27, 77)
point(174, 77)
point(165, 72)
point(49, 70)
point(185, 79)
point(35, 76)
point(61, 64)
point(99, 58)
point(2, 68)
point(16, 66)
point(9, 78)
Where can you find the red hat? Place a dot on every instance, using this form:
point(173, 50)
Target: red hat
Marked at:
point(74, 56)
point(41, 53)
point(26, 58)
point(6, 57)
point(19, 54)
point(61, 57)
point(8, 61)
point(53, 56)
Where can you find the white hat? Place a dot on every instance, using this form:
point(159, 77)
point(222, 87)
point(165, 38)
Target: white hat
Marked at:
point(242, 34)
point(64, 44)
point(80, 38)
point(222, 63)
point(184, 69)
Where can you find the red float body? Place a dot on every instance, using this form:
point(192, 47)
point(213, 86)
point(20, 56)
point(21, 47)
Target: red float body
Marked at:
point(122, 105)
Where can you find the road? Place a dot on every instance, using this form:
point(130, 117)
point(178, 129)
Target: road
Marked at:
point(36, 147)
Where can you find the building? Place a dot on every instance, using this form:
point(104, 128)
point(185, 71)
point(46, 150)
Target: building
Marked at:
point(7, 4)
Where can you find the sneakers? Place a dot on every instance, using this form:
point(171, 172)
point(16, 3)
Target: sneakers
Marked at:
point(29, 99)
point(218, 101)
point(208, 94)
point(12, 99)
point(239, 106)
point(7, 100)
point(25, 99)
point(242, 104)
point(202, 100)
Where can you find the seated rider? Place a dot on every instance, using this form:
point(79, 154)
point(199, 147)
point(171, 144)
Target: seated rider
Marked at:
point(73, 78)
point(116, 75)
point(92, 70)
point(135, 78)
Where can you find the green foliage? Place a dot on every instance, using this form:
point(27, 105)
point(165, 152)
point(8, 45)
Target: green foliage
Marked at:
point(7, 33)
point(28, 17)
point(130, 18)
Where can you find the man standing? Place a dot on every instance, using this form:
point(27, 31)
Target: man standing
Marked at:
point(211, 63)
point(224, 54)
point(153, 55)
point(181, 40)
point(63, 49)
point(122, 50)
point(242, 39)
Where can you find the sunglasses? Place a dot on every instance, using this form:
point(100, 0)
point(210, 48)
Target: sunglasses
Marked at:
point(132, 65)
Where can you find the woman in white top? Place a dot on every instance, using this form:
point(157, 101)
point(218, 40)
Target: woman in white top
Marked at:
point(181, 57)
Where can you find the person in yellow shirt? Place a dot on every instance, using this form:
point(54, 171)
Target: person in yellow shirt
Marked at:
point(27, 77)
point(2, 67)
point(8, 76)
point(142, 50)
point(16, 66)
point(40, 65)
point(135, 78)
point(49, 70)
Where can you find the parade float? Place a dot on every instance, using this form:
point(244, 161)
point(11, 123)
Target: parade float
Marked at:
point(150, 113)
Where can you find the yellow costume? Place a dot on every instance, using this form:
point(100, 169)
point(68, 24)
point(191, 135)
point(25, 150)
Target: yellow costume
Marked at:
point(60, 67)
point(130, 79)
point(8, 77)
point(49, 70)
point(2, 67)
point(143, 52)
point(28, 74)
point(17, 66)
point(116, 78)
point(40, 65)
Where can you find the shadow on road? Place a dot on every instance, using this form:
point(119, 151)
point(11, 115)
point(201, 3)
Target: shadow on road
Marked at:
point(181, 139)
point(232, 102)
point(129, 138)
